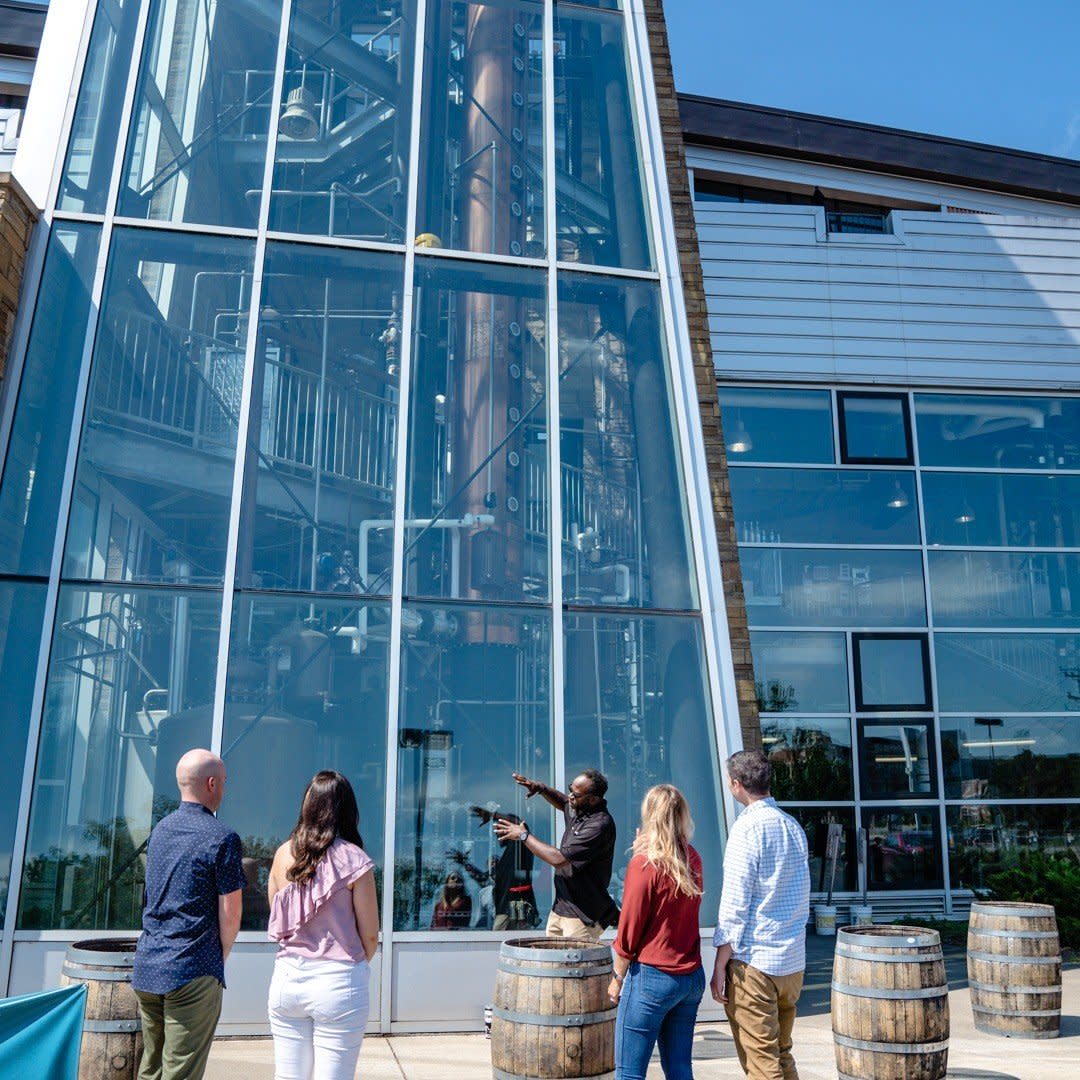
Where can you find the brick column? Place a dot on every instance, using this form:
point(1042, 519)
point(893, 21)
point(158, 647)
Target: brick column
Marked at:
point(704, 370)
point(17, 218)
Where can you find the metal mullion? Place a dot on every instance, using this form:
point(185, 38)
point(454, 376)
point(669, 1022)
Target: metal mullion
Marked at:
point(609, 271)
point(336, 242)
point(943, 839)
point(1005, 800)
point(244, 418)
point(988, 469)
point(712, 616)
point(482, 257)
point(862, 881)
point(67, 489)
point(397, 568)
point(554, 418)
point(187, 227)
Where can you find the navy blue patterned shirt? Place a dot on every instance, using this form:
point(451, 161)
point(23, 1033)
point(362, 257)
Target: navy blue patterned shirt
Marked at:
point(191, 860)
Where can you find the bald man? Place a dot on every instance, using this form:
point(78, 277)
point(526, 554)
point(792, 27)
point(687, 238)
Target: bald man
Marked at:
point(194, 879)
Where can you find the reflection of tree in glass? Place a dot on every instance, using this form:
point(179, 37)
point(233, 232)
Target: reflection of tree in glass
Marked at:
point(774, 696)
point(806, 763)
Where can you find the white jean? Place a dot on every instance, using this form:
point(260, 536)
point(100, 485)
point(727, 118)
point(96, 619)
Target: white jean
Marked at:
point(318, 1012)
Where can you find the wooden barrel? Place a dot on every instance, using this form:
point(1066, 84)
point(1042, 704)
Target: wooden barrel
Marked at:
point(890, 1003)
point(112, 1036)
point(552, 1017)
point(1014, 969)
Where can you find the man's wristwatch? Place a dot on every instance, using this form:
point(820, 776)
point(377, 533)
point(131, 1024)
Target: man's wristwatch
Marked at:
point(617, 977)
point(524, 833)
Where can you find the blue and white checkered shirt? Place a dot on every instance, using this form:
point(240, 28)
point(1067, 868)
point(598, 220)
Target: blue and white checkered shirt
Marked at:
point(765, 904)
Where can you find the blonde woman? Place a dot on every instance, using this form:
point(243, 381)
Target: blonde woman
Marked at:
point(659, 981)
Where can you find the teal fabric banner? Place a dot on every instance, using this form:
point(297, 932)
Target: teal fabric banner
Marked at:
point(40, 1034)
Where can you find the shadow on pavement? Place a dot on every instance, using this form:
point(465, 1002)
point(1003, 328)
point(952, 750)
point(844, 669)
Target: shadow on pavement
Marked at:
point(819, 962)
point(978, 1074)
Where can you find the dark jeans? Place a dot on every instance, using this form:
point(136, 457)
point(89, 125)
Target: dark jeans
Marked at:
point(657, 1007)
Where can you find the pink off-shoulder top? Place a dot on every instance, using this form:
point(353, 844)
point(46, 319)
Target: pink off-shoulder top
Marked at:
point(316, 920)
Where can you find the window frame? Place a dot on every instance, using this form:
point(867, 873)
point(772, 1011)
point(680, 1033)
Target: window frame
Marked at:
point(923, 637)
point(846, 458)
point(863, 764)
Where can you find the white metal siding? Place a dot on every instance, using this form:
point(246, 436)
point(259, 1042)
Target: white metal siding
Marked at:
point(968, 299)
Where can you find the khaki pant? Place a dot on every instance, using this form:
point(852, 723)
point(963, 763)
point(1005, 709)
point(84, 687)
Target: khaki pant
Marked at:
point(564, 926)
point(178, 1029)
point(761, 1009)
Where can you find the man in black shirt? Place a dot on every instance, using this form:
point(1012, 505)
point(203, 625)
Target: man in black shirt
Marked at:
point(583, 859)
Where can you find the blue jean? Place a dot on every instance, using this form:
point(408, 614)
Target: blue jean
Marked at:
point(655, 1007)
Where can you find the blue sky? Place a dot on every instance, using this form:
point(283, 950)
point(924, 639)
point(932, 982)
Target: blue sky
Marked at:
point(994, 71)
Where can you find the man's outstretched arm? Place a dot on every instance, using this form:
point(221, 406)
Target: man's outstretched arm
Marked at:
point(507, 830)
point(558, 799)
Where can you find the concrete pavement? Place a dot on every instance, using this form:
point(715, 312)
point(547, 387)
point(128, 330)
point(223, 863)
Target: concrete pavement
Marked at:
point(972, 1055)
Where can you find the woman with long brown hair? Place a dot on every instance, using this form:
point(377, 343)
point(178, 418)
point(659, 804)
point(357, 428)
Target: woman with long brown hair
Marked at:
point(324, 916)
point(659, 980)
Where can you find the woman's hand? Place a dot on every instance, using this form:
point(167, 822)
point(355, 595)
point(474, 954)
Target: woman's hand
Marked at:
point(614, 990)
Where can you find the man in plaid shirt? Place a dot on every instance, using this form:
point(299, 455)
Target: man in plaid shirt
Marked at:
point(760, 934)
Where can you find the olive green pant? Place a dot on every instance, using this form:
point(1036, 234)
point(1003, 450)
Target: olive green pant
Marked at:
point(178, 1028)
point(761, 1010)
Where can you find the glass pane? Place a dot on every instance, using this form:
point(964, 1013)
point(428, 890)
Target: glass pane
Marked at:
point(84, 185)
point(895, 756)
point(482, 177)
point(202, 111)
point(891, 672)
point(817, 587)
point(319, 490)
point(475, 708)
point(1007, 672)
point(41, 430)
point(22, 608)
point(637, 708)
point(625, 534)
point(874, 427)
point(903, 848)
point(800, 672)
point(599, 183)
point(777, 425)
point(992, 432)
point(155, 468)
point(1018, 510)
point(306, 691)
point(130, 690)
point(983, 588)
point(984, 840)
point(824, 506)
point(342, 158)
point(477, 477)
point(816, 821)
point(993, 757)
point(811, 759)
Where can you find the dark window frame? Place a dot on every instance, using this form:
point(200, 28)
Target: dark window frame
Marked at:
point(886, 806)
point(928, 722)
point(849, 459)
point(923, 637)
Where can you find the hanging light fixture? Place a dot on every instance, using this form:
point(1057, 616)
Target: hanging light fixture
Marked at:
point(899, 498)
point(966, 515)
point(740, 442)
point(298, 120)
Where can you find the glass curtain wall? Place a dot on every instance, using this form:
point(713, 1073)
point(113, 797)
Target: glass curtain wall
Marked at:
point(330, 359)
point(910, 569)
